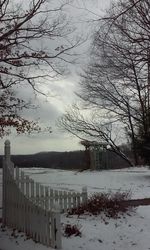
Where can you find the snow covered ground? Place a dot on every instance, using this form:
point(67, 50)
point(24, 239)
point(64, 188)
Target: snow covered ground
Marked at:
point(135, 179)
point(129, 232)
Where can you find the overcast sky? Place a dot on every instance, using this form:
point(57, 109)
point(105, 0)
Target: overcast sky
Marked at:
point(60, 93)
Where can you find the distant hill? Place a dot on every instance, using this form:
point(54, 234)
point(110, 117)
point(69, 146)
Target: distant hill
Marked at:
point(61, 160)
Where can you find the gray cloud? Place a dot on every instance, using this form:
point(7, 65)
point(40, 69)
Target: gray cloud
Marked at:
point(60, 94)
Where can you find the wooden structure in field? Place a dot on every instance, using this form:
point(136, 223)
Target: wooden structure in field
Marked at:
point(96, 155)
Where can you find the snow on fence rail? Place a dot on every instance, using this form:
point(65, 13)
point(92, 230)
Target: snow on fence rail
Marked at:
point(33, 208)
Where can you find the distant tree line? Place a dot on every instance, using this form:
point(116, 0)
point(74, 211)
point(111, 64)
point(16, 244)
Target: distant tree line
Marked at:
point(62, 160)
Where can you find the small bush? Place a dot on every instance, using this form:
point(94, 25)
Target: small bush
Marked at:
point(71, 230)
point(111, 204)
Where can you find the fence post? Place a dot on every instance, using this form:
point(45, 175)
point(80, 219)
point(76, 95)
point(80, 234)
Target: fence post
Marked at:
point(4, 194)
point(56, 227)
point(7, 150)
point(84, 194)
point(7, 156)
point(6, 159)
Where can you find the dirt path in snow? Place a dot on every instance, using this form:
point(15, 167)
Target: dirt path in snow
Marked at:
point(137, 202)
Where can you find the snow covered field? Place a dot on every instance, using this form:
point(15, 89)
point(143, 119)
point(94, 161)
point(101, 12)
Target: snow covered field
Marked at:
point(129, 232)
point(135, 179)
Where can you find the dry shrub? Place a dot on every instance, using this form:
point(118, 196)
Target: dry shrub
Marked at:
point(71, 230)
point(111, 204)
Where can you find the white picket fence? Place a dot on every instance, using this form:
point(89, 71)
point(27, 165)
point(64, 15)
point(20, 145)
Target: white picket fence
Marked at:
point(33, 208)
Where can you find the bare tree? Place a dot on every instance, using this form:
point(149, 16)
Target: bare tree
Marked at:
point(92, 127)
point(36, 41)
point(116, 82)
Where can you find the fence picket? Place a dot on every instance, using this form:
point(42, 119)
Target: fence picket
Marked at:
point(69, 200)
point(60, 195)
point(78, 199)
point(27, 186)
point(37, 193)
point(84, 195)
point(56, 227)
point(65, 201)
point(74, 199)
point(22, 182)
point(51, 198)
point(46, 198)
point(17, 176)
point(56, 196)
point(42, 195)
point(32, 189)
